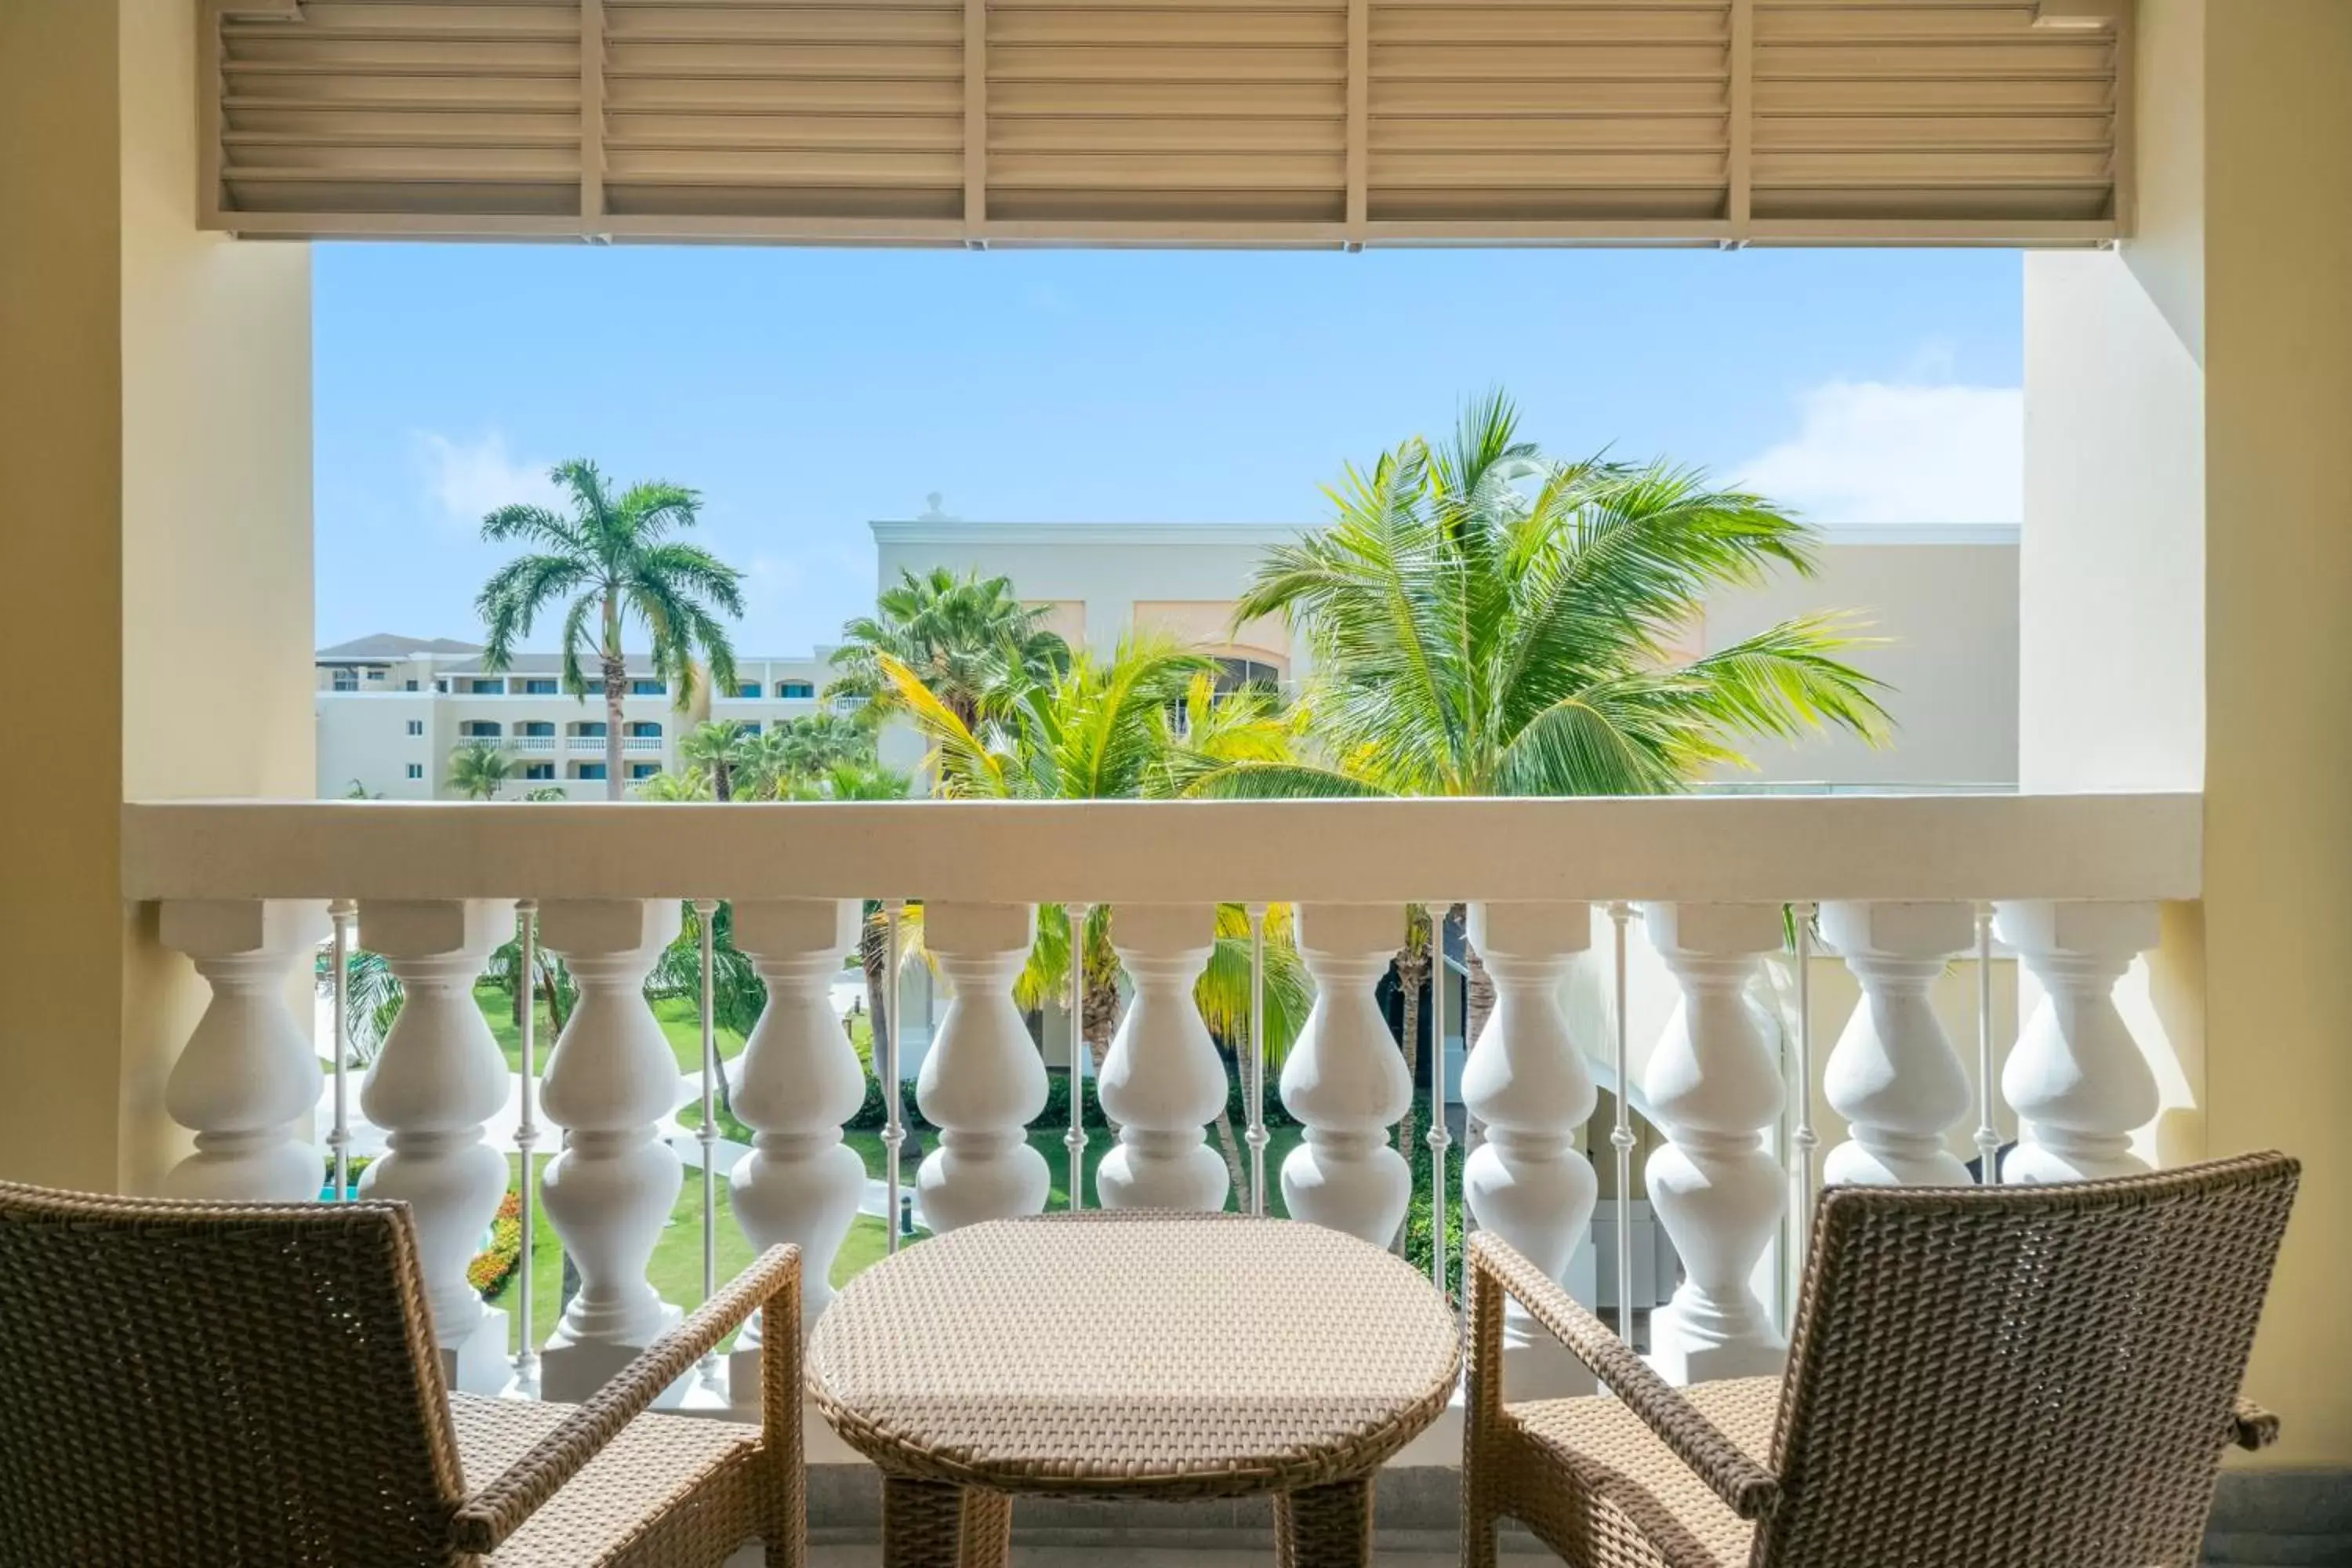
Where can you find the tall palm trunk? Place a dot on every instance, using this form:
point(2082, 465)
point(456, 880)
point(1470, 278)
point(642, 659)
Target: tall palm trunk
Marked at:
point(1230, 1147)
point(615, 675)
point(1413, 966)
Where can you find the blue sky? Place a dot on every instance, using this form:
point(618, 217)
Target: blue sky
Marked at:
point(806, 392)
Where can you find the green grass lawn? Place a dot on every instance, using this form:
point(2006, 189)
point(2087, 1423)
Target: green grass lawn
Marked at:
point(679, 1020)
point(676, 1267)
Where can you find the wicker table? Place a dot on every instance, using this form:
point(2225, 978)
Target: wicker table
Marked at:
point(1145, 1355)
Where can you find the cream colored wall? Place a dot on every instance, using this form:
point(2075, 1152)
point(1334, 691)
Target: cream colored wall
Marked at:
point(154, 412)
point(2112, 563)
point(61, 553)
point(2188, 561)
point(2278, 690)
point(1946, 614)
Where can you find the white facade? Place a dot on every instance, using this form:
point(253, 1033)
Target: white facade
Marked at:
point(390, 719)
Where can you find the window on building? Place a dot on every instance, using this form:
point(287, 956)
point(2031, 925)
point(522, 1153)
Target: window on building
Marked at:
point(375, 675)
point(416, 770)
point(747, 688)
point(442, 687)
point(644, 770)
point(480, 729)
point(646, 688)
point(643, 731)
point(587, 770)
point(799, 688)
point(538, 770)
point(540, 686)
point(410, 685)
point(751, 727)
point(416, 726)
point(535, 727)
point(487, 687)
point(346, 680)
point(596, 688)
point(589, 730)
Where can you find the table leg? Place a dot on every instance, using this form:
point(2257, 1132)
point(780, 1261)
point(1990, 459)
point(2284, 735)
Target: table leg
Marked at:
point(1330, 1526)
point(921, 1523)
point(987, 1536)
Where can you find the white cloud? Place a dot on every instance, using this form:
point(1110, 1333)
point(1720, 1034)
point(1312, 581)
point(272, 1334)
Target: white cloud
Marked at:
point(466, 479)
point(1868, 451)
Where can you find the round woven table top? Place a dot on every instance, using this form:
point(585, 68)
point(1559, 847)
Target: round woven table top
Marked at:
point(1198, 1355)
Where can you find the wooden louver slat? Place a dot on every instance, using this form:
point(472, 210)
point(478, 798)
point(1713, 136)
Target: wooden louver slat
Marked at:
point(1249, 121)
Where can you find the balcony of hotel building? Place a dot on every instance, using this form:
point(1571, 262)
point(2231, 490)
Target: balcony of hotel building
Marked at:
point(1706, 1006)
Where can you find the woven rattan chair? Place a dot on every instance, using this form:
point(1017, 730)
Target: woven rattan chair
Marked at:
point(1980, 1377)
point(249, 1385)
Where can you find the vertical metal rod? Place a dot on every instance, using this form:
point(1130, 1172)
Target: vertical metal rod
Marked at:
point(1802, 1139)
point(527, 1132)
point(706, 915)
point(1075, 1140)
point(1988, 1129)
point(1439, 1137)
point(1621, 1135)
point(1256, 1071)
point(893, 1132)
point(338, 1136)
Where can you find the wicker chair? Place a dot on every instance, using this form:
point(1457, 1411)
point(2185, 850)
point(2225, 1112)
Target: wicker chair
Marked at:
point(1980, 1377)
point(254, 1384)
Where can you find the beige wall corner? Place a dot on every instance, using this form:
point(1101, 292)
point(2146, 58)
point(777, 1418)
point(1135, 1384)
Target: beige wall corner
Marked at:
point(155, 403)
point(2278, 690)
point(61, 553)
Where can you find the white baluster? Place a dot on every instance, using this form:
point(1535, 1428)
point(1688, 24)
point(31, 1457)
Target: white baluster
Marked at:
point(1162, 1079)
point(982, 1081)
point(1344, 1079)
point(613, 1075)
point(800, 1081)
point(1526, 1079)
point(1895, 1075)
point(249, 1071)
point(1714, 1085)
point(2077, 1080)
point(437, 1079)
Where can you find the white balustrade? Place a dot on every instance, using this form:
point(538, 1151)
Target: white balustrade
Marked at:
point(1714, 1086)
point(436, 1080)
point(249, 1071)
point(800, 1081)
point(1344, 1079)
point(1895, 1075)
point(2078, 1081)
point(981, 1081)
point(610, 1192)
point(1526, 1081)
point(1162, 1079)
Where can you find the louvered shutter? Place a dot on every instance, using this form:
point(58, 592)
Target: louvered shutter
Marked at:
point(1240, 121)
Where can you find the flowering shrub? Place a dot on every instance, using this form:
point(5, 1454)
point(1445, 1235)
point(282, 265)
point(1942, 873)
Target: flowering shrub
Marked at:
point(491, 1270)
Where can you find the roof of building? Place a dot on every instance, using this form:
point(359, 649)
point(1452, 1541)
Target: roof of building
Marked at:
point(391, 645)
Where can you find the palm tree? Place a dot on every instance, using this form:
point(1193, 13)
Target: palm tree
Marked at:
point(1488, 620)
point(1144, 723)
point(851, 780)
point(721, 748)
point(692, 783)
point(610, 562)
point(968, 640)
point(808, 747)
point(479, 770)
point(1485, 621)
